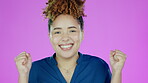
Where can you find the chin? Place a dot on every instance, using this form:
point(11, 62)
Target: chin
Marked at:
point(67, 54)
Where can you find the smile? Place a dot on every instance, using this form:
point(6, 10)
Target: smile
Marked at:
point(66, 47)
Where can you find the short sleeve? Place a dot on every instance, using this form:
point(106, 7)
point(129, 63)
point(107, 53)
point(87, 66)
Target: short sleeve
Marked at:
point(33, 73)
point(108, 75)
point(105, 68)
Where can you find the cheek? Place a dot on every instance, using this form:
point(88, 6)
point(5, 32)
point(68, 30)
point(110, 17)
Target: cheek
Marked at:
point(55, 40)
point(76, 38)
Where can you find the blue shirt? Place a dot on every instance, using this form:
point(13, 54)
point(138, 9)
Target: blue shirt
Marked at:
point(89, 69)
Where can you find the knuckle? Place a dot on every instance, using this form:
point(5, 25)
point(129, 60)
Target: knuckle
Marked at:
point(22, 53)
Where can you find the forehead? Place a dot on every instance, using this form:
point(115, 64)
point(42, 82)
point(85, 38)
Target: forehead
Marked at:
point(65, 21)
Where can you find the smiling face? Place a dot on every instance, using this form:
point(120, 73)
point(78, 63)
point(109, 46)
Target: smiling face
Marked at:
point(65, 36)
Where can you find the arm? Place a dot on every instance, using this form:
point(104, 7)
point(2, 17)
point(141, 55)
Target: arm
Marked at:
point(117, 60)
point(116, 77)
point(23, 79)
point(23, 63)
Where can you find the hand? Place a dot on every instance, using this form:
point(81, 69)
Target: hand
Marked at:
point(23, 63)
point(117, 60)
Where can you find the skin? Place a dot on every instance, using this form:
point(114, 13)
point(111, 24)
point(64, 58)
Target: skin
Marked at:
point(117, 61)
point(23, 63)
point(66, 31)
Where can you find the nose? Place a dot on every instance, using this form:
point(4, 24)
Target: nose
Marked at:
point(65, 37)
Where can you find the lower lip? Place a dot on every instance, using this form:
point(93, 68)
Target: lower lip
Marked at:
point(66, 49)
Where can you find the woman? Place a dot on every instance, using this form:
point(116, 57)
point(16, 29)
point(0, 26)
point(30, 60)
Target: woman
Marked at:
point(68, 65)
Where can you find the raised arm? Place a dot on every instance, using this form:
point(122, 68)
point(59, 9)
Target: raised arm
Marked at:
point(117, 60)
point(23, 64)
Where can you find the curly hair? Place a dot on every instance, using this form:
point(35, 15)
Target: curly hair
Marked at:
point(57, 7)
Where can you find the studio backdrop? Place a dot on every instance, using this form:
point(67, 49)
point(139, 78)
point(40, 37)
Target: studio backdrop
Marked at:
point(109, 25)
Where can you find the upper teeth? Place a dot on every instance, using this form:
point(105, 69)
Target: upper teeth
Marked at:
point(66, 46)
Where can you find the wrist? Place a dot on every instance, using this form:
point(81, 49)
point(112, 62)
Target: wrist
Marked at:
point(23, 75)
point(23, 78)
point(117, 72)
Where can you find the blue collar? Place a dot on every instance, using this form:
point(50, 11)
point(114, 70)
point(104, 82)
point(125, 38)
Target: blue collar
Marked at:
point(53, 60)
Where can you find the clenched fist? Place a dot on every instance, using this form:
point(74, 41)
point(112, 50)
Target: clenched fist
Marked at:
point(23, 63)
point(117, 60)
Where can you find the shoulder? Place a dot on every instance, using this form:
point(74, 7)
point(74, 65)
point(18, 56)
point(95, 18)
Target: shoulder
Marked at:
point(41, 62)
point(95, 60)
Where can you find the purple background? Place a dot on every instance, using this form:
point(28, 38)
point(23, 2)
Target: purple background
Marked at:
point(109, 25)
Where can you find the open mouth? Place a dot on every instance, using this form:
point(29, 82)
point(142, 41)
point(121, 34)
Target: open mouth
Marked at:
point(66, 47)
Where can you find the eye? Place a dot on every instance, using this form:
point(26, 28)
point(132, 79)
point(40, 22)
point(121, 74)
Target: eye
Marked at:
point(73, 31)
point(58, 32)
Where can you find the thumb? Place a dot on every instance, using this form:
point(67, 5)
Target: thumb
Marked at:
point(111, 55)
point(29, 57)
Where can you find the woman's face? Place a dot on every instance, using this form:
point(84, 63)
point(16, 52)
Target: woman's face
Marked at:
point(65, 36)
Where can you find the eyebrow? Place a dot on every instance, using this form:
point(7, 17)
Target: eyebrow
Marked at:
point(56, 28)
point(72, 27)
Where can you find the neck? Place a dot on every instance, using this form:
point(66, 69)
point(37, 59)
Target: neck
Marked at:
point(67, 62)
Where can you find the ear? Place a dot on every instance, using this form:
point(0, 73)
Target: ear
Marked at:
point(49, 36)
point(82, 32)
point(82, 35)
